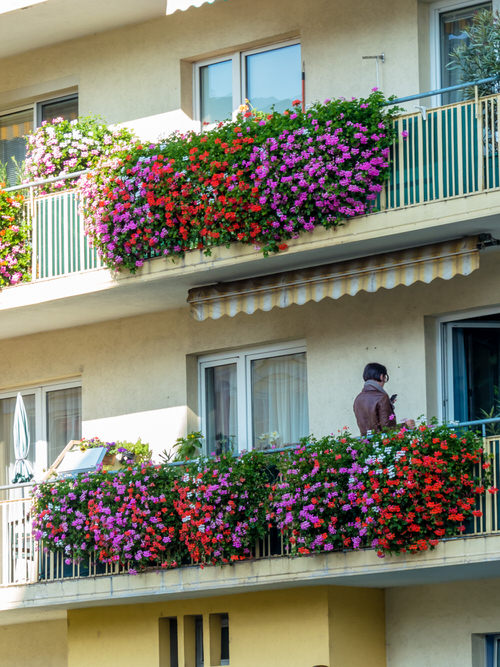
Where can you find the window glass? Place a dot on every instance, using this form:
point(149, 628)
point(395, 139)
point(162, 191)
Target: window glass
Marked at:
point(216, 86)
point(273, 78)
point(221, 408)
point(7, 454)
point(476, 372)
point(199, 654)
point(452, 34)
point(66, 108)
point(279, 400)
point(64, 419)
point(224, 639)
point(13, 128)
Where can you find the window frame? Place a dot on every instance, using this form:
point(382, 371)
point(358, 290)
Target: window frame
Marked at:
point(436, 9)
point(444, 355)
point(239, 73)
point(40, 442)
point(36, 107)
point(243, 359)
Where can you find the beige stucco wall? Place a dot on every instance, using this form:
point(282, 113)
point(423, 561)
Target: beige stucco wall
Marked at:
point(40, 644)
point(134, 72)
point(434, 625)
point(139, 374)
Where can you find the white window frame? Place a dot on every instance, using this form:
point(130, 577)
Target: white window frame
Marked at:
point(444, 355)
point(239, 73)
point(243, 359)
point(39, 439)
point(36, 107)
point(436, 9)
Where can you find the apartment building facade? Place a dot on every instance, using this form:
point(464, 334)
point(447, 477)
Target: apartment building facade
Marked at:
point(151, 355)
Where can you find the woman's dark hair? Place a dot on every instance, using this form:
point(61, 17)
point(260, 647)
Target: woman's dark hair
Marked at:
point(374, 371)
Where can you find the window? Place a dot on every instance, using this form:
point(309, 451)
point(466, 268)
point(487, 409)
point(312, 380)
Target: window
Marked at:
point(15, 125)
point(219, 639)
point(472, 355)
point(268, 78)
point(169, 646)
point(54, 416)
point(254, 398)
point(492, 651)
point(450, 22)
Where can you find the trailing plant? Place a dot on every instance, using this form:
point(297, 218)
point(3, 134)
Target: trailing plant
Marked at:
point(397, 492)
point(15, 248)
point(64, 147)
point(260, 179)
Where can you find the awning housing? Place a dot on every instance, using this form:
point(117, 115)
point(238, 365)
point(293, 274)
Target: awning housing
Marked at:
point(369, 274)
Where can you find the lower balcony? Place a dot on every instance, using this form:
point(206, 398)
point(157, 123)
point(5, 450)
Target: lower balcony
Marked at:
point(53, 580)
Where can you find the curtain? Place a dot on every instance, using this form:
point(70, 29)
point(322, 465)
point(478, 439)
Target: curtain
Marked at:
point(279, 400)
point(221, 408)
point(64, 419)
point(7, 454)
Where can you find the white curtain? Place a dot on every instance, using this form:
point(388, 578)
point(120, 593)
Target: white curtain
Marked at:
point(221, 411)
point(279, 399)
point(7, 453)
point(64, 419)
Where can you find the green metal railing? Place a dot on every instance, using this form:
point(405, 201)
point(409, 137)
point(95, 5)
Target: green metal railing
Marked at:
point(449, 151)
point(59, 241)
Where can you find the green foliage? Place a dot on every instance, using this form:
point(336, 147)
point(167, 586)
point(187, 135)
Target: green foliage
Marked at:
point(185, 448)
point(480, 58)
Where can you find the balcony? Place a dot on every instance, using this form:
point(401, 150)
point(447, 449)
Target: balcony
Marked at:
point(443, 153)
point(56, 582)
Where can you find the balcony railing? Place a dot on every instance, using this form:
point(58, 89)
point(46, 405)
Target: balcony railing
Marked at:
point(23, 559)
point(444, 152)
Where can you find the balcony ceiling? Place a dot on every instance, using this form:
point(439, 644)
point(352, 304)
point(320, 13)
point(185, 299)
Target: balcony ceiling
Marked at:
point(26, 25)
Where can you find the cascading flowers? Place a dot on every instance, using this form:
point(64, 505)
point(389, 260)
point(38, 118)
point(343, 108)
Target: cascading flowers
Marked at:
point(15, 250)
point(398, 492)
point(261, 179)
point(63, 147)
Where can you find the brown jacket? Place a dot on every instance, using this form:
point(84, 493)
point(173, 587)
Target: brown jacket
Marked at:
point(373, 409)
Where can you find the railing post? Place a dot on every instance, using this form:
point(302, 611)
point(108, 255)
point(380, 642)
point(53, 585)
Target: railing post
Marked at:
point(480, 140)
point(34, 235)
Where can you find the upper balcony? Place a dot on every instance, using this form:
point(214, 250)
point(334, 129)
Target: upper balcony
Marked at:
point(444, 183)
point(56, 581)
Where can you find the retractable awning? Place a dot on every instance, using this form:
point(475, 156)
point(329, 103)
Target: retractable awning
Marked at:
point(182, 5)
point(280, 290)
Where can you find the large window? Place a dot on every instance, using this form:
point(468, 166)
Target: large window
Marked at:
point(473, 368)
point(269, 78)
point(254, 399)
point(54, 415)
point(15, 125)
point(453, 20)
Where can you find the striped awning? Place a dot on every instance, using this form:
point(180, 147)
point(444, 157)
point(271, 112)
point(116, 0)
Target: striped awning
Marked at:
point(369, 274)
point(182, 5)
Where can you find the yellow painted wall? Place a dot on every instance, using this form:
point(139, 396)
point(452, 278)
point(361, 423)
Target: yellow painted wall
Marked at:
point(441, 624)
point(135, 71)
point(269, 629)
point(137, 366)
point(40, 644)
point(292, 628)
point(357, 627)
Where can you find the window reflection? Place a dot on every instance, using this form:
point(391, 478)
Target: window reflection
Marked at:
point(273, 78)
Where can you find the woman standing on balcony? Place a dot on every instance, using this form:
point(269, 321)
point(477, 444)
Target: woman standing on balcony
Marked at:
point(373, 408)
